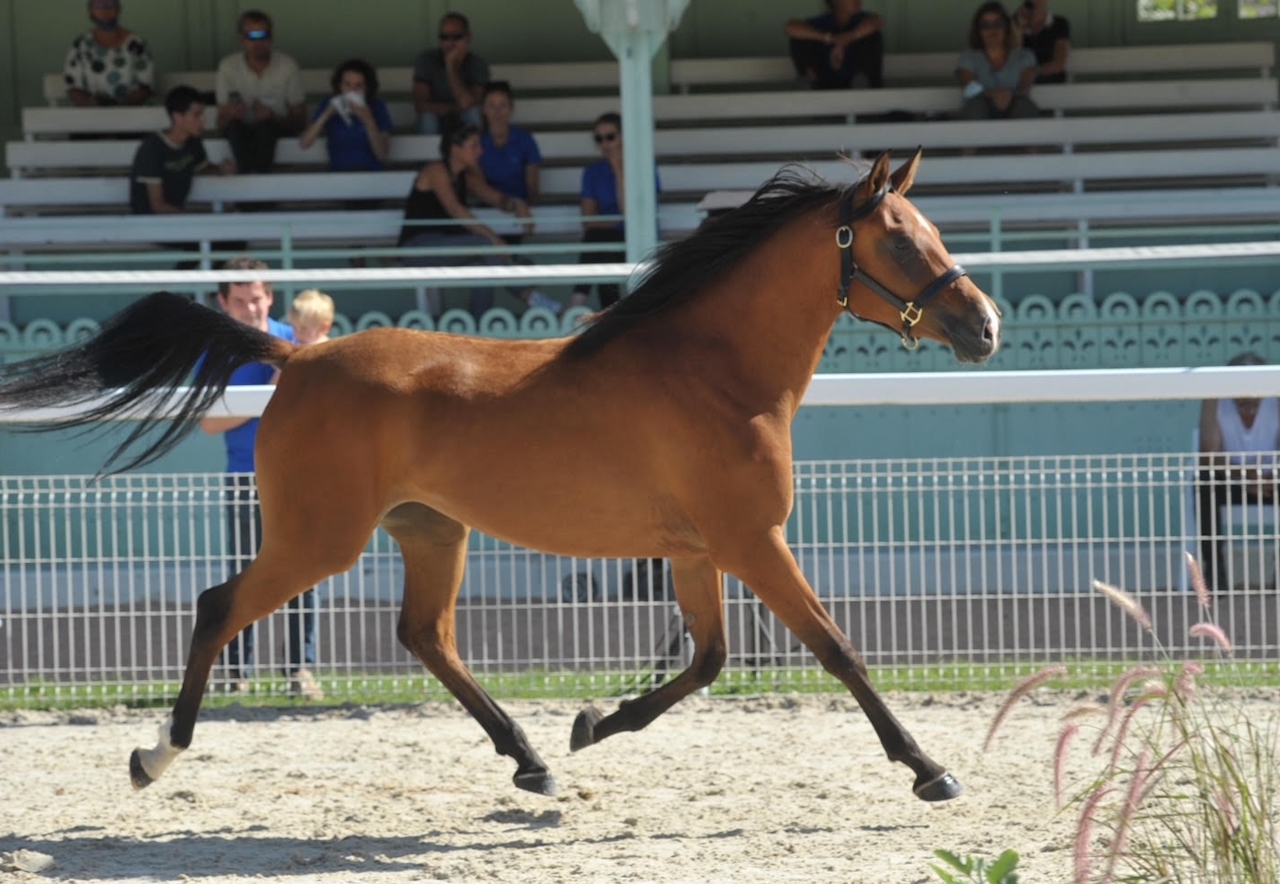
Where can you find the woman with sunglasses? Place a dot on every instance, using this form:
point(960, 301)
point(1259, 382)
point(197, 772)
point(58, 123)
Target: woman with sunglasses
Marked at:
point(604, 193)
point(994, 72)
point(439, 194)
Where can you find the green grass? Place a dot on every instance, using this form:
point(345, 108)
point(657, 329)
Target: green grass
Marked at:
point(383, 689)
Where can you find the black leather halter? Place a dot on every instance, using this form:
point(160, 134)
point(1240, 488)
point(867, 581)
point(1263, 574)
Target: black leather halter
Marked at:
point(910, 311)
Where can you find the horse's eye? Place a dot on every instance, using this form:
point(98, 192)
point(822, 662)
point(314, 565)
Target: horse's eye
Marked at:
point(901, 244)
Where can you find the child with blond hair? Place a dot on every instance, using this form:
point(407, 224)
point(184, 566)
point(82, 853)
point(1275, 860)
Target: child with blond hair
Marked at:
point(311, 315)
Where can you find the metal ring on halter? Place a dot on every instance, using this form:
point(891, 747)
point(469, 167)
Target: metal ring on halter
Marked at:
point(844, 236)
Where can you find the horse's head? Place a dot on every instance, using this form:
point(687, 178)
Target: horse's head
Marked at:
point(895, 271)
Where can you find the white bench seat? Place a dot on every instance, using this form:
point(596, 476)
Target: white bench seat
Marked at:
point(690, 181)
point(1085, 62)
point(715, 143)
point(704, 73)
point(1137, 96)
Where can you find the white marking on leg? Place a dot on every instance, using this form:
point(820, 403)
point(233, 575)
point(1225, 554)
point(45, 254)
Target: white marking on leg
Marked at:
point(154, 761)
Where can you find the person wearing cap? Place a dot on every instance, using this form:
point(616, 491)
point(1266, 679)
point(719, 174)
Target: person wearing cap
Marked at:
point(259, 93)
point(1048, 36)
point(108, 64)
point(829, 51)
point(166, 163)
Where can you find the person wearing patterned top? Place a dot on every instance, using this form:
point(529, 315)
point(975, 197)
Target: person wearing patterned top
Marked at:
point(108, 64)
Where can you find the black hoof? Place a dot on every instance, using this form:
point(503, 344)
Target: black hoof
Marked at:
point(539, 781)
point(141, 779)
point(940, 788)
point(584, 728)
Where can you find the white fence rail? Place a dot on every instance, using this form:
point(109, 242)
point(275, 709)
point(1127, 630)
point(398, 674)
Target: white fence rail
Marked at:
point(958, 566)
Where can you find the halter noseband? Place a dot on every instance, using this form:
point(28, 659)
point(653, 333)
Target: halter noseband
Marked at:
point(910, 311)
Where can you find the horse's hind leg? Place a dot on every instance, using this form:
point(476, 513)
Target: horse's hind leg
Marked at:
point(772, 573)
point(699, 590)
point(434, 548)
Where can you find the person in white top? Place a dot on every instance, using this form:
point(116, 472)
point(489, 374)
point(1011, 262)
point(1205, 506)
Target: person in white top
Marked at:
point(260, 95)
point(1239, 439)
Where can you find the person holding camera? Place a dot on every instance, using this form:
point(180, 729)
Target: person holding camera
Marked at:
point(1048, 36)
point(355, 121)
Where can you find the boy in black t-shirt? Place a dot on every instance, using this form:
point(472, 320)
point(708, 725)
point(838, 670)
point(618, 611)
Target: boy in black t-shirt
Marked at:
point(166, 162)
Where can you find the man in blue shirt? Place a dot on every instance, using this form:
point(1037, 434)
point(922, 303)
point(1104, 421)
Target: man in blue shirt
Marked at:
point(250, 303)
point(830, 50)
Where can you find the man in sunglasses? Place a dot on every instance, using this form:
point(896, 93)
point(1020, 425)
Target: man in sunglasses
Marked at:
point(260, 95)
point(448, 82)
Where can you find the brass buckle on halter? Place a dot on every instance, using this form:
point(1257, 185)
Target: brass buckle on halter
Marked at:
point(911, 314)
point(844, 236)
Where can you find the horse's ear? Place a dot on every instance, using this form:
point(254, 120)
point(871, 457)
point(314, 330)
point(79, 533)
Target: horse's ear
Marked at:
point(906, 174)
point(879, 176)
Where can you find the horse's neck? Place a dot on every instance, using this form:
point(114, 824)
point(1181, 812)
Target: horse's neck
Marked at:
point(770, 318)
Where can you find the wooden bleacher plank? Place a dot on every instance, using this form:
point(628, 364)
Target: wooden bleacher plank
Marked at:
point(582, 110)
point(694, 73)
point(686, 73)
point(712, 143)
point(524, 77)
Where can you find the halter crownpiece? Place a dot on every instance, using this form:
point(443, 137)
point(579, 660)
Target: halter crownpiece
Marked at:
point(912, 311)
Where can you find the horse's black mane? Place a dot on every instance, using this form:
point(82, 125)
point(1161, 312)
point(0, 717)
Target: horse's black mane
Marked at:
point(680, 269)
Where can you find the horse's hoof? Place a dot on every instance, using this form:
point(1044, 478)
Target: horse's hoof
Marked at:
point(584, 728)
point(538, 781)
point(940, 788)
point(141, 779)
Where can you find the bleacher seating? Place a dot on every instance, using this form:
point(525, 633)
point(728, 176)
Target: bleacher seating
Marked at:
point(1193, 147)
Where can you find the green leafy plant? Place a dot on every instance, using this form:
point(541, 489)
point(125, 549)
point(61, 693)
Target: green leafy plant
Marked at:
point(976, 870)
point(1189, 786)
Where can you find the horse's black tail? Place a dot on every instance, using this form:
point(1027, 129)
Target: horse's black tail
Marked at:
point(134, 365)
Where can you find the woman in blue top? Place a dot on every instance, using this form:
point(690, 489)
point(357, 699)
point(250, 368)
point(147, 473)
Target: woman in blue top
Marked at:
point(354, 120)
point(995, 72)
point(603, 193)
point(510, 157)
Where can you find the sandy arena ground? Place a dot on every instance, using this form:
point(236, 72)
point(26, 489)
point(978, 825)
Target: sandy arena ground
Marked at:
point(740, 790)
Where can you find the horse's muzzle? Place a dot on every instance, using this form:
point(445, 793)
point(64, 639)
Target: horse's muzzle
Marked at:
point(976, 344)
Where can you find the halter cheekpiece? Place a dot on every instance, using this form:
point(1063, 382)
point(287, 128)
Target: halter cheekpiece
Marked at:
point(910, 311)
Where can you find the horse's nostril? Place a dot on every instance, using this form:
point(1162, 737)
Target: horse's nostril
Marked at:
point(990, 332)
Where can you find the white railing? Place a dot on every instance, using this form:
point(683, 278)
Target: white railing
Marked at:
point(958, 565)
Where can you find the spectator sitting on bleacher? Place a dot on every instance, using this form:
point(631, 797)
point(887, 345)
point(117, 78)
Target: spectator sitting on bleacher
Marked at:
point(995, 72)
point(439, 193)
point(260, 95)
point(510, 157)
point(355, 121)
point(1048, 36)
point(604, 193)
point(108, 64)
point(448, 81)
point(166, 162)
point(830, 50)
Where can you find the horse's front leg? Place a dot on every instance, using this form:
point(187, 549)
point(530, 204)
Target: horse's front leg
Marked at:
point(699, 590)
point(771, 571)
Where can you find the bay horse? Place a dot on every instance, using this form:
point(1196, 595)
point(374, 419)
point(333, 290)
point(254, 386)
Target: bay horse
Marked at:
point(661, 430)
